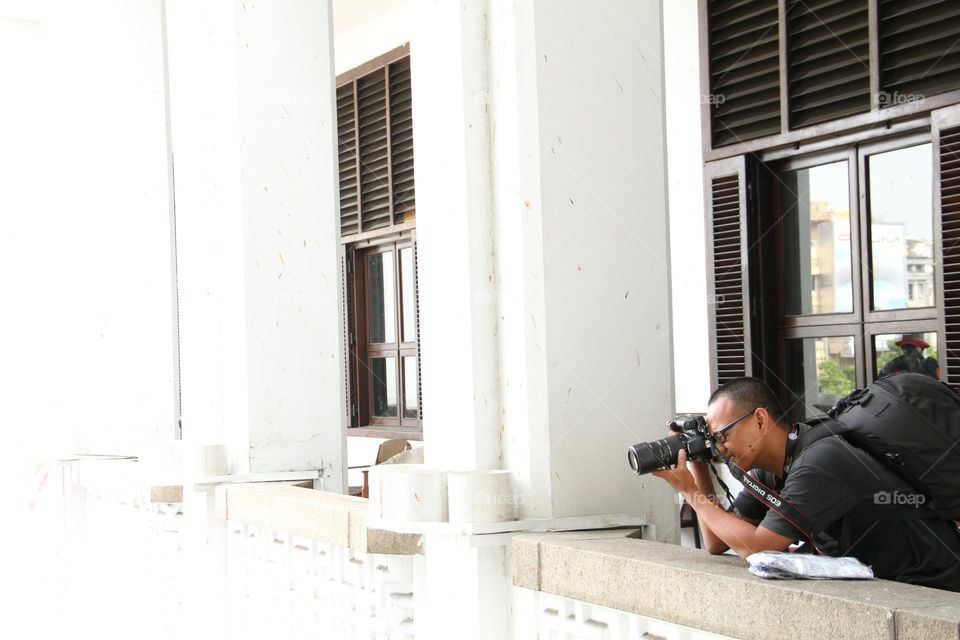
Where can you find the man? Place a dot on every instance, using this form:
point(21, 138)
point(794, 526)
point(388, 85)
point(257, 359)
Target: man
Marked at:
point(912, 359)
point(844, 493)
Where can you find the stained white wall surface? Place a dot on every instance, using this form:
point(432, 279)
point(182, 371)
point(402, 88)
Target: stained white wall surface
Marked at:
point(254, 142)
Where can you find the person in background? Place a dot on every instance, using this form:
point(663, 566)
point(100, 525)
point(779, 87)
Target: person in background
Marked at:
point(912, 359)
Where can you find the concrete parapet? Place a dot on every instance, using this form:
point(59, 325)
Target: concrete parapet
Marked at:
point(319, 515)
point(717, 594)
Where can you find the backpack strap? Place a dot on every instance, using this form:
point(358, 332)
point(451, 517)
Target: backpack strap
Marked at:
point(820, 427)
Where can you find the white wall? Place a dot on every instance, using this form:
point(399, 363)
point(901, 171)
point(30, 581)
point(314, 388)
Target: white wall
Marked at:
point(95, 247)
point(27, 270)
point(364, 30)
point(687, 222)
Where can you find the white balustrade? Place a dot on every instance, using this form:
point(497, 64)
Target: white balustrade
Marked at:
point(279, 581)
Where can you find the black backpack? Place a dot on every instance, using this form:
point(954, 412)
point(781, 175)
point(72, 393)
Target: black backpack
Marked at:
point(910, 422)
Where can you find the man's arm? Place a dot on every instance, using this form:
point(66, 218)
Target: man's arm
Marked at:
point(721, 529)
point(704, 481)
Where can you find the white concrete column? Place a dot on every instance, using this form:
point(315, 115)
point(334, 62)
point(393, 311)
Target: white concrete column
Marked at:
point(91, 237)
point(455, 243)
point(254, 143)
point(543, 264)
point(475, 606)
point(583, 257)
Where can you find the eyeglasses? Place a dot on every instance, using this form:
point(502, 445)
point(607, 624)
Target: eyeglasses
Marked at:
point(719, 436)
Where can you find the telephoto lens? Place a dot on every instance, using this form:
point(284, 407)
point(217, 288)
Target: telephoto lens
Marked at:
point(692, 436)
point(645, 457)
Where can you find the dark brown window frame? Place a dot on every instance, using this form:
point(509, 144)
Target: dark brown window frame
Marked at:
point(862, 323)
point(397, 233)
point(366, 350)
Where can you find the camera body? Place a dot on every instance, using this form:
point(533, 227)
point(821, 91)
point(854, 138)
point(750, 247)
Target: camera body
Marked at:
point(691, 436)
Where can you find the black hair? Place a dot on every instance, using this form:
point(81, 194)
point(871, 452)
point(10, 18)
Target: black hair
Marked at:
point(749, 393)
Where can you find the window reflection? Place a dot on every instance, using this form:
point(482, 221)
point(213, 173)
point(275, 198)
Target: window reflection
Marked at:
point(911, 352)
point(381, 312)
point(383, 386)
point(820, 371)
point(816, 240)
point(407, 292)
point(410, 395)
point(901, 228)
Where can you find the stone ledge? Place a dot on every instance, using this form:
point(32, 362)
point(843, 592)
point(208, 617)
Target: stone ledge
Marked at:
point(717, 594)
point(319, 515)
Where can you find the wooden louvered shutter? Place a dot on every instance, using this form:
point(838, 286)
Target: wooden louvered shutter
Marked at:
point(375, 130)
point(416, 289)
point(347, 160)
point(728, 286)
point(349, 343)
point(374, 144)
point(828, 57)
point(744, 69)
point(946, 135)
point(919, 53)
point(401, 141)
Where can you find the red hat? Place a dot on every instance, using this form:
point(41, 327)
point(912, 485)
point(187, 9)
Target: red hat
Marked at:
point(913, 342)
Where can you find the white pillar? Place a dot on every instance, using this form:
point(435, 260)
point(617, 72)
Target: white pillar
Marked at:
point(543, 264)
point(542, 226)
point(93, 241)
point(455, 242)
point(254, 142)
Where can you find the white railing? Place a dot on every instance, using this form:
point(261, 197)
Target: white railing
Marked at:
point(115, 563)
point(542, 615)
point(279, 581)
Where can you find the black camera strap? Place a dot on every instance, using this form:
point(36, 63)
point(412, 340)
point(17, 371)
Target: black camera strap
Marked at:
point(774, 501)
point(726, 489)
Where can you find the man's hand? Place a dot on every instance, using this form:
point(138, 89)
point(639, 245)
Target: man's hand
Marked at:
point(679, 477)
point(722, 530)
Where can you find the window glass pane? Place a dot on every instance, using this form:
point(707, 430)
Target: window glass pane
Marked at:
point(381, 312)
point(816, 240)
point(914, 352)
point(901, 228)
point(410, 397)
point(383, 387)
point(408, 289)
point(820, 371)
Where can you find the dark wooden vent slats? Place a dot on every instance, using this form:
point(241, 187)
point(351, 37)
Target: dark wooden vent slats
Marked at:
point(375, 150)
point(374, 153)
point(828, 53)
point(347, 156)
point(950, 230)
point(728, 279)
point(744, 70)
point(401, 137)
point(919, 53)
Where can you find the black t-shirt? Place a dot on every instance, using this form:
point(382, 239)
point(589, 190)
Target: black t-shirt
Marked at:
point(855, 500)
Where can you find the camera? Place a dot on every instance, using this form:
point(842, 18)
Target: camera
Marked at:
point(692, 437)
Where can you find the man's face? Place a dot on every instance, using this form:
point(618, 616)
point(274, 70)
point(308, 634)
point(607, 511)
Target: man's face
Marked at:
point(740, 442)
